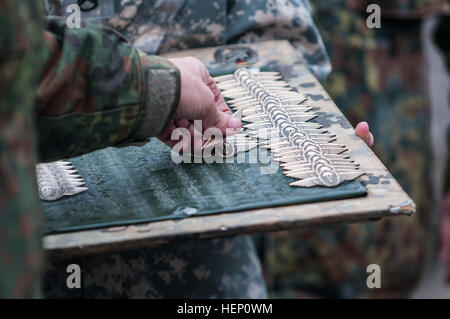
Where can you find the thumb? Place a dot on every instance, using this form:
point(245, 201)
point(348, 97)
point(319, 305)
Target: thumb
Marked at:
point(221, 120)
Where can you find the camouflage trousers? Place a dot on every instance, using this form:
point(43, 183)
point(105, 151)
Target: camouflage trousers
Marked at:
point(218, 268)
point(332, 261)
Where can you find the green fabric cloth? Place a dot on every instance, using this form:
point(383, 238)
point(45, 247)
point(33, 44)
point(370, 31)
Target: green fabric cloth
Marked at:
point(141, 184)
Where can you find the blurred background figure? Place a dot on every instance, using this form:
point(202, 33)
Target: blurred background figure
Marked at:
point(384, 76)
point(442, 38)
point(20, 240)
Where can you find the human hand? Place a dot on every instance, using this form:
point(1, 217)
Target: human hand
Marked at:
point(200, 99)
point(363, 131)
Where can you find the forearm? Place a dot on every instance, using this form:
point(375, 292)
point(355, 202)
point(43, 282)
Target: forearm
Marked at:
point(96, 91)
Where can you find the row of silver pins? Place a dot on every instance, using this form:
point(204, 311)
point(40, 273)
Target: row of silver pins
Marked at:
point(292, 102)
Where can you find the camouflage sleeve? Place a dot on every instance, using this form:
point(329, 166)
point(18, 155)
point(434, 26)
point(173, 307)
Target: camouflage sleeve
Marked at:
point(97, 90)
point(20, 214)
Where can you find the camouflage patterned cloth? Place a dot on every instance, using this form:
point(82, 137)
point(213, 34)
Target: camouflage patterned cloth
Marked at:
point(219, 268)
point(19, 235)
point(101, 81)
point(158, 26)
point(378, 76)
point(412, 8)
point(94, 91)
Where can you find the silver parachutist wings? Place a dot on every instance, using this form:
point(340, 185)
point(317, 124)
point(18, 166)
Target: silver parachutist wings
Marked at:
point(279, 118)
point(239, 142)
point(58, 179)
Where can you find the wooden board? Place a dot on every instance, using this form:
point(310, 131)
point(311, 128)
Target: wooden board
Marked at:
point(385, 196)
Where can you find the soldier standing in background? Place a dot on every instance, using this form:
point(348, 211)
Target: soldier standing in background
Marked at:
point(378, 75)
point(443, 42)
point(20, 241)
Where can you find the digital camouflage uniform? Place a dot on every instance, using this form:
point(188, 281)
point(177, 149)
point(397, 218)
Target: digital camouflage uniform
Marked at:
point(215, 268)
point(379, 77)
point(160, 26)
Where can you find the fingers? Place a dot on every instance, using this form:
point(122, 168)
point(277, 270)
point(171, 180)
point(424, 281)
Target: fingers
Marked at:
point(220, 115)
point(218, 97)
point(183, 134)
point(363, 131)
point(371, 140)
point(166, 135)
point(201, 99)
point(221, 120)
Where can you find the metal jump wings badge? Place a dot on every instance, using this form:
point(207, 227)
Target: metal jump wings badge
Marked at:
point(58, 179)
point(280, 120)
point(233, 144)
